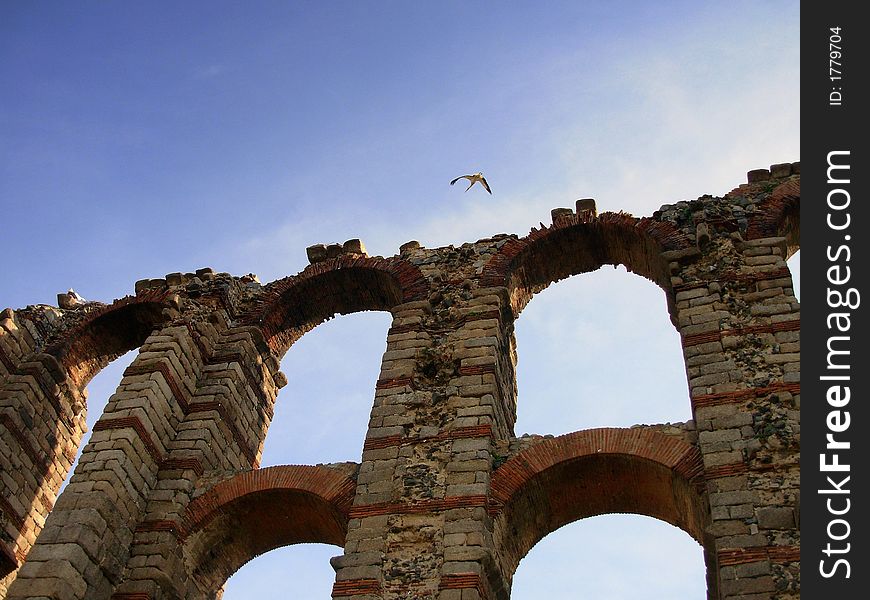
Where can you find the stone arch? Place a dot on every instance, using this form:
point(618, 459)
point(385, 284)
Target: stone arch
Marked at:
point(579, 244)
point(294, 305)
point(779, 216)
point(106, 333)
point(293, 504)
point(593, 472)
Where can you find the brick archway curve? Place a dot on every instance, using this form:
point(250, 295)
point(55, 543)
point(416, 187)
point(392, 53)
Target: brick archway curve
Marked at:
point(107, 333)
point(574, 245)
point(294, 305)
point(779, 216)
point(593, 472)
point(257, 511)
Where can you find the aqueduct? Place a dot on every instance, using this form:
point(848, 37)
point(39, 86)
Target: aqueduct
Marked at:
point(168, 499)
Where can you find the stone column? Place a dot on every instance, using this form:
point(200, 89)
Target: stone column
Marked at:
point(419, 525)
point(42, 420)
point(86, 540)
point(740, 326)
point(226, 413)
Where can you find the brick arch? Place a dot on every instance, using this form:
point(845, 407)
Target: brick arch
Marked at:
point(593, 472)
point(292, 306)
point(574, 245)
point(779, 215)
point(107, 333)
point(257, 511)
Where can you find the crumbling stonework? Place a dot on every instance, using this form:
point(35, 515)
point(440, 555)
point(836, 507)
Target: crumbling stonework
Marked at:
point(445, 500)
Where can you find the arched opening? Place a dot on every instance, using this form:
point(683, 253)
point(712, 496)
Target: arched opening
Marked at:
point(557, 481)
point(258, 511)
point(298, 571)
point(100, 389)
point(292, 306)
point(321, 415)
point(599, 350)
point(613, 557)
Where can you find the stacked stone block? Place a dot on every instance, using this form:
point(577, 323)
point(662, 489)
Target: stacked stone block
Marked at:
point(445, 500)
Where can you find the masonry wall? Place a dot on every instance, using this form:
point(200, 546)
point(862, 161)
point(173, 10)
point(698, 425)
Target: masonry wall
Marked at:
point(445, 501)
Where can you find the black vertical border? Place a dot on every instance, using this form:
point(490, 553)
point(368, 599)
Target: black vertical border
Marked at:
point(828, 126)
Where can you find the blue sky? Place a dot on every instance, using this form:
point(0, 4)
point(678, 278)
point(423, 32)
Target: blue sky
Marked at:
point(139, 139)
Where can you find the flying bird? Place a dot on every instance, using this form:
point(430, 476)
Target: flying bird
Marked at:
point(473, 179)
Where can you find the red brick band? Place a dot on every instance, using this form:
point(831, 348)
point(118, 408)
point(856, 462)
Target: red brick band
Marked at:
point(183, 464)
point(354, 587)
point(476, 369)
point(473, 431)
point(463, 581)
point(158, 525)
point(134, 423)
point(744, 395)
point(777, 554)
point(397, 329)
point(715, 336)
point(417, 507)
point(726, 470)
point(384, 384)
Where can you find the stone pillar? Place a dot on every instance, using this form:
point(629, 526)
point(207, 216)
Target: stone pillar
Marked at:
point(226, 412)
point(740, 326)
point(42, 419)
point(86, 541)
point(419, 525)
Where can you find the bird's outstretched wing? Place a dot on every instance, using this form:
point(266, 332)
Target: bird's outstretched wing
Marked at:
point(458, 178)
point(486, 185)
